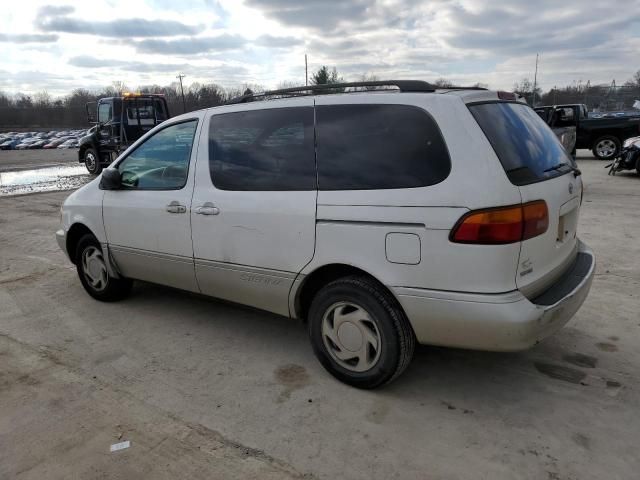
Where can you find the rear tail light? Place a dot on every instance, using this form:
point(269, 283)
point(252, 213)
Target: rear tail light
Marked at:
point(502, 225)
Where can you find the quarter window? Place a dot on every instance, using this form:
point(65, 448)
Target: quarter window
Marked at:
point(263, 150)
point(162, 161)
point(363, 147)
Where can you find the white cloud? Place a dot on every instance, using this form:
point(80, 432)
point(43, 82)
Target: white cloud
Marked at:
point(264, 41)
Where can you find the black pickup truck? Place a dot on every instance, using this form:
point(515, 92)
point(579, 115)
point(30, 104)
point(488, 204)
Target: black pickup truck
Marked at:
point(603, 136)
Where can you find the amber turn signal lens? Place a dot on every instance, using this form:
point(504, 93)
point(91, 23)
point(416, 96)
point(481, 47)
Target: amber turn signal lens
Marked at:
point(502, 225)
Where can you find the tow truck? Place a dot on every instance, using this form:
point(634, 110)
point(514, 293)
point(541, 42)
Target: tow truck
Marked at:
point(118, 122)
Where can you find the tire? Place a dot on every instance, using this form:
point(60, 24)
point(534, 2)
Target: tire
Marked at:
point(638, 165)
point(94, 275)
point(92, 161)
point(369, 348)
point(606, 147)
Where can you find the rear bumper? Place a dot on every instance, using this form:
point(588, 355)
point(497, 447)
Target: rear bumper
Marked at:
point(500, 322)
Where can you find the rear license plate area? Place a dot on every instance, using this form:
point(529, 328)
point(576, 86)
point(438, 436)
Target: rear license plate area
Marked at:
point(567, 226)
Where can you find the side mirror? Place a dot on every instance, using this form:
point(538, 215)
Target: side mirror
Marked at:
point(90, 107)
point(111, 179)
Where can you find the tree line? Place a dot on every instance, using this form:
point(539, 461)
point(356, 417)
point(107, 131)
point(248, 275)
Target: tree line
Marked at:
point(41, 110)
point(596, 97)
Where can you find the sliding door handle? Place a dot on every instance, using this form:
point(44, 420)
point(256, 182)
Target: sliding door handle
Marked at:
point(207, 208)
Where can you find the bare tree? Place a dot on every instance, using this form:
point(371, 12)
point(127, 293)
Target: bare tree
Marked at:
point(42, 99)
point(634, 81)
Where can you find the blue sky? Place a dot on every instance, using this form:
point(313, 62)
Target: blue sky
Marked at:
point(69, 44)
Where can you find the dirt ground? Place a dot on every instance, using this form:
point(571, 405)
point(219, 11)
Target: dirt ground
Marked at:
point(205, 389)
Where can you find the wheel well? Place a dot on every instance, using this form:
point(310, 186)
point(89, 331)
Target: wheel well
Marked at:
point(75, 233)
point(321, 277)
point(598, 136)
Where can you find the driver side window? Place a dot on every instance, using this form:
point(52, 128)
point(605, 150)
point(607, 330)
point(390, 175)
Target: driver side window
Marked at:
point(162, 161)
point(104, 112)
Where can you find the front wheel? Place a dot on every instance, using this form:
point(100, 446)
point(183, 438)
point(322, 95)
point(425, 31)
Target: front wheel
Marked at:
point(92, 161)
point(94, 275)
point(359, 333)
point(606, 147)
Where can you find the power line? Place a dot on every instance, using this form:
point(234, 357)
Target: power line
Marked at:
point(184, 105)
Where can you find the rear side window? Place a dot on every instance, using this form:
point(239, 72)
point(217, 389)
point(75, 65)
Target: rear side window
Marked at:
point(364, 147)
point(527, 148)
point(263, 150)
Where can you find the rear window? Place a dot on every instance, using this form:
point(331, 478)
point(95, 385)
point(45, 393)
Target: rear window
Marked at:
point(527, 148)
point(364, 147)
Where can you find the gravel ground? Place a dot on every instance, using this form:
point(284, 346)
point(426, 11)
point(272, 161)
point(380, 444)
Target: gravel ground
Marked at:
point(204, 389)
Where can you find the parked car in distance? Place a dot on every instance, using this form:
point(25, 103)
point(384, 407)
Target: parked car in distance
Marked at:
point(38, 144)
point(71, 143)
point(26, 143)
point(381, 218)
point(54, 143)
point(9, 144)
point(603, 135)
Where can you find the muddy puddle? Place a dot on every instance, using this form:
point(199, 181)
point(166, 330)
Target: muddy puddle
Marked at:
point(43, 180)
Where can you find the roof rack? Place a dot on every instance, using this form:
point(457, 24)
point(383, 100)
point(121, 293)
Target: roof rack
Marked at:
point(403, 86)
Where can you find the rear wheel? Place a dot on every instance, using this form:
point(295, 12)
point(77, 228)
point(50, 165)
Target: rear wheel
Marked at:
point(94, 275)
point(606, 147)
point(359, 333)
point(92, 161)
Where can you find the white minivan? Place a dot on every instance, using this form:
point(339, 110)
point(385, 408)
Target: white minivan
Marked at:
point(380, 217)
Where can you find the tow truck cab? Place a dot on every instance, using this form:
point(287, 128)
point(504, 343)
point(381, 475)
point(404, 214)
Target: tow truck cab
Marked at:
point(118, 122)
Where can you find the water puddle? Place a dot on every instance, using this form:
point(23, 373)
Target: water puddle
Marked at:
point(43, 180)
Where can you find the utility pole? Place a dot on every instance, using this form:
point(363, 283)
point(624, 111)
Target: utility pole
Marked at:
point(306, 75)
point(535, 83)
point(184, 106)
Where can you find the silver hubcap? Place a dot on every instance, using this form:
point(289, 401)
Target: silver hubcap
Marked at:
point(606, 148)
point(90, 161)
point(351, 337)
point(94, 268)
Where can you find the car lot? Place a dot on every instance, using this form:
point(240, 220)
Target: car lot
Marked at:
point(205, 389)
point(61, 139)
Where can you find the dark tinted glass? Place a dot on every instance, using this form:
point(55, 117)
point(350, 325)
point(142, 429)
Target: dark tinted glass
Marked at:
point(263, 150)
point(527, 148)
point(363, 147)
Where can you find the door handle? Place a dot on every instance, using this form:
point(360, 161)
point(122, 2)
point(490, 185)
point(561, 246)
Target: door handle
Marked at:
point(207, 208)
point(175, 207)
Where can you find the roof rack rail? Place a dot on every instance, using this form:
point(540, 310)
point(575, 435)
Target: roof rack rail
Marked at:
point(462, 88)
point(403, 86)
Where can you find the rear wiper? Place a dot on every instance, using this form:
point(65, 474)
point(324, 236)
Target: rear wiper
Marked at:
point(576, 171)
point(556, 167)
